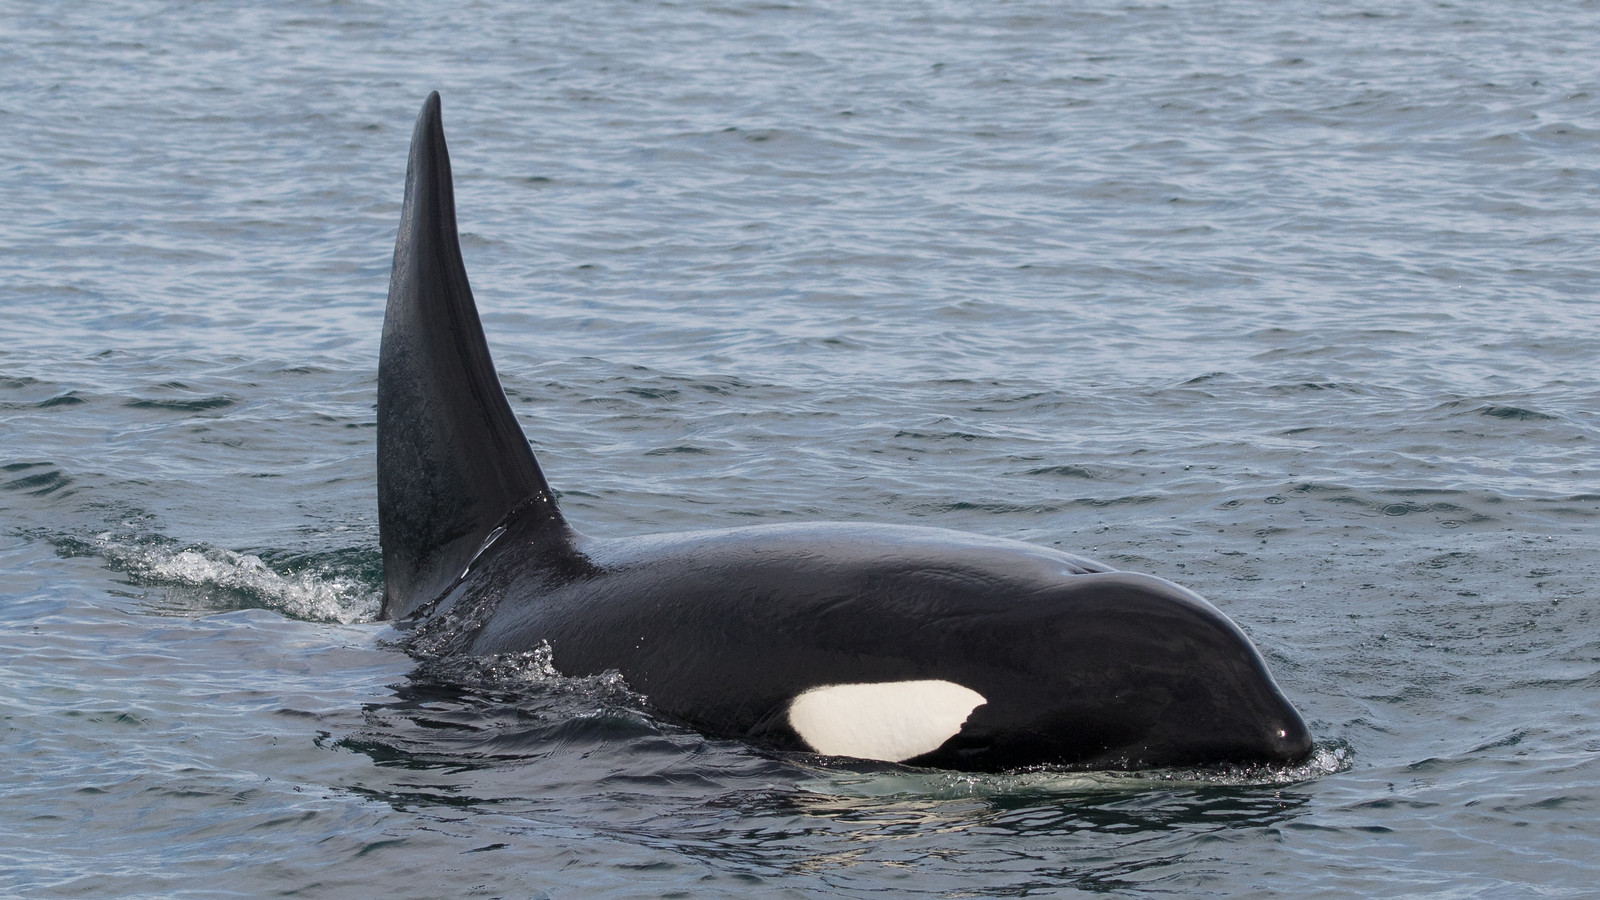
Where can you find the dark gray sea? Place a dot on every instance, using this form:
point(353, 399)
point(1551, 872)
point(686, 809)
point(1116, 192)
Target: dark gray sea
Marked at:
point(1294, 303)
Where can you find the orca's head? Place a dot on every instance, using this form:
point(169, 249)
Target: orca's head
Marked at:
point(1124, 671)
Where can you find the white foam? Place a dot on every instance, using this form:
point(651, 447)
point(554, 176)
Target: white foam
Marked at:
point(317, 596)
point(891, 721)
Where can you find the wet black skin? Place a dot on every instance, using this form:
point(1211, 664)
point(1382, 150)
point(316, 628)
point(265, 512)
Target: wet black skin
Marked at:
point(1081, 666)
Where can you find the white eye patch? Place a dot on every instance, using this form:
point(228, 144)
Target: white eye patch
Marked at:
point(890, 721)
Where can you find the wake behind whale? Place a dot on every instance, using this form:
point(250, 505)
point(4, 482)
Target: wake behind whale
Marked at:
point(903, 644)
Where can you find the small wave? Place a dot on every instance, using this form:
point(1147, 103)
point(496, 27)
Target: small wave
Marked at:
point(1519, 413)
point(966, 436)
point(1297, 387)
point(224, 579)
point(682, 449)
point(481, 712)
point(849, 780)
point(496, 672)
point(1495, 410)
point(1066, 471)
point(70, 398)
point(37, 483)
point(196, 404)
point(528, 670)
point(1324, 760)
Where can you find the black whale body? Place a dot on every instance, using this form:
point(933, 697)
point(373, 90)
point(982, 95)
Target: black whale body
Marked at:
point(914, 645)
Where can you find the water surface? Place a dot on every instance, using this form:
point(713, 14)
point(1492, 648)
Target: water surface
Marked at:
point(1291, 304)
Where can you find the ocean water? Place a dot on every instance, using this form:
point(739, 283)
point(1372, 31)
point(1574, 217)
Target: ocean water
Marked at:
point(1291, 303)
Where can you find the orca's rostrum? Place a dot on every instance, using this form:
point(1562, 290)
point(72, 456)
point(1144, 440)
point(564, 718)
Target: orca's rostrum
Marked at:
point(881, 642)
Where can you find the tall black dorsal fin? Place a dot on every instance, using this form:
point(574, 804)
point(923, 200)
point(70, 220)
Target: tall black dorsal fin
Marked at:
point(452, 461)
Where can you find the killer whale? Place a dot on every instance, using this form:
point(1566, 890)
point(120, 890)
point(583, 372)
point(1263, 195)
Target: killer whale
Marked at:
point(904, 644)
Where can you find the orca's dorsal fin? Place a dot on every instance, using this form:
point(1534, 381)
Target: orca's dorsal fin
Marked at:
point(452, 461)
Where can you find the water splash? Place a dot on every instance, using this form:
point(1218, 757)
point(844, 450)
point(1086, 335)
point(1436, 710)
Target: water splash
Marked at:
point(850, 780)
point(209, 579)
point(528, 674)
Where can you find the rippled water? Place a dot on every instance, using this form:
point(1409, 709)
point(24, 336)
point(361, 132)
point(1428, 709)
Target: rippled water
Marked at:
point(1290, 303)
